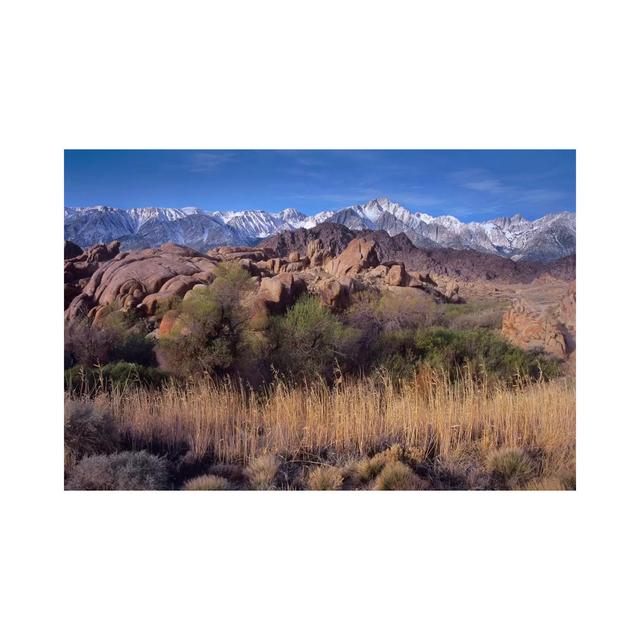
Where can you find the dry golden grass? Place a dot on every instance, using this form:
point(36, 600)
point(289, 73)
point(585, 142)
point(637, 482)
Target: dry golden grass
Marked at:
point(356, 418)
point(262, 471)
point(397, 476)
point(207, 483)
point(325, 479)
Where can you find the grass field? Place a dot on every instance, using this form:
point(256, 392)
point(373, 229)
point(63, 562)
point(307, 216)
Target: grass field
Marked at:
point(465, 434)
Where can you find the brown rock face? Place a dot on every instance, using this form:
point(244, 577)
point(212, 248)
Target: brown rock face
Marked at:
point(239, 253)
point(139, 279)
point(452, 292)
point(292, 267)
point(567, 311)
point(397, 276)
point(316, 253)
point(379, 272)
point(281, 291)
point(167, 323)
point(527, 329)
point(334, 293)
point(358, 256)
point(551, 327)
point(79, 267)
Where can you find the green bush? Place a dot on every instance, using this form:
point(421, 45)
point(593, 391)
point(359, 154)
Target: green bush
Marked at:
point(120, 336)
point(472, 315)
point(88, 430)
point(127, 471)
point(116, 374)
point(212, 329)
point(309, 341)
point(482, 352)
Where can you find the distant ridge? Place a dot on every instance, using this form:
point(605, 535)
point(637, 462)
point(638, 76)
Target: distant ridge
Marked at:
point(547, 238)
point(465, 264)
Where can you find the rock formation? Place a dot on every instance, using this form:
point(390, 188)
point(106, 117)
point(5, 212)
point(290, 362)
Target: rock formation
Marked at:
point(551, 329)
point(101, 280)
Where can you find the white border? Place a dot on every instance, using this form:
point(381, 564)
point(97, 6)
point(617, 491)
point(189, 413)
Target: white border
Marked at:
point(319, 75)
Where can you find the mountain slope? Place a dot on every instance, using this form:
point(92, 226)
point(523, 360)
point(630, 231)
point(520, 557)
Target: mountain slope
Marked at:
point(465, 264)
point(548, 238)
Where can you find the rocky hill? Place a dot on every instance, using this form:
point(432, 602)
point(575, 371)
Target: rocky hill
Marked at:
point(102, 279)
point(460, 264)
point(333, 263)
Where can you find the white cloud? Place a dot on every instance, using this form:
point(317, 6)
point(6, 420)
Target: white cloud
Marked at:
point(207, 162)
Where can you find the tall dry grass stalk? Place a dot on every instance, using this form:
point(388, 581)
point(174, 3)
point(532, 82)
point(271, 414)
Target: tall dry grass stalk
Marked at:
point(427, 412)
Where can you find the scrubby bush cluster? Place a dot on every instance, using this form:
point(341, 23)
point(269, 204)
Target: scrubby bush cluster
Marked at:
point(125, 471)
point(207, 483)
point(80, 378)
point(120, 336)
point(88, 430)
point(214, 335)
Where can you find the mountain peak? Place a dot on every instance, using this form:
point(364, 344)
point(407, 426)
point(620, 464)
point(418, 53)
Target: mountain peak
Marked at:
point(547, 238)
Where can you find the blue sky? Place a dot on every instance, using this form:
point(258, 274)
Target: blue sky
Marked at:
point(471, 185)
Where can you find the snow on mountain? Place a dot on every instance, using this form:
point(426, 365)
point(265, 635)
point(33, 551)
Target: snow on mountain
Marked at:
point(546, 238)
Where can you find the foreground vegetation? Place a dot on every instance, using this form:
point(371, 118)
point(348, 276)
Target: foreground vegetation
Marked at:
point(448, 435)
point(386, 395)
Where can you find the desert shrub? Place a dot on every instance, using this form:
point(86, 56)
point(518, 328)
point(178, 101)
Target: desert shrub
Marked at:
point(167, 304)
point(116, 374)
point(120, 336)
point(511, 467)
point(549, 483)
point(395, 352)
point(325, 478)
point(85, 345)
point(212, 328)
point(126, 471)
point(406, 312)
point(482, 352)
point(472, 315)
point(374, 311)
point(397, 476)
point(262, 471)
point(309, 341)
point(127, 373)
point(134, 347)
point(207, 483)
point(88, 430)
point(365, 470)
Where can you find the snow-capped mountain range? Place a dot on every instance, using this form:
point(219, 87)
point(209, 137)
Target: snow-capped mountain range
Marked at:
point(546, 238)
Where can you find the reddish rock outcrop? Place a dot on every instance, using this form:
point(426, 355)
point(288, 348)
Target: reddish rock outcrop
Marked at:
point(551, 328)
point(79, 267)
point(358, 256)
point(334, 293)
point(140, 279)
point(464, 264)
point(397, 276)
point(281, 291)
point(528, 329)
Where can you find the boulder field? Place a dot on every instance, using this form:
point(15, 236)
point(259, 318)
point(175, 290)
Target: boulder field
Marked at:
point(101, 279)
